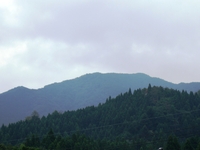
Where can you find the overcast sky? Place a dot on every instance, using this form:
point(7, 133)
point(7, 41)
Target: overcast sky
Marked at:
point(43, 42)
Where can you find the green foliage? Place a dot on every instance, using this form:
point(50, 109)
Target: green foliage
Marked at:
point(32, 141)
point(142, 119)
point(173, 144)
point(187, 146)
point(2, 147)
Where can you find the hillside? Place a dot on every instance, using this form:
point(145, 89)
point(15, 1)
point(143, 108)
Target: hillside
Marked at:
point(144, 117)
point(87, 90)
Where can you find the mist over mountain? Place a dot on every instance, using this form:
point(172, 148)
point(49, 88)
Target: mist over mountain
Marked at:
point(87, 90)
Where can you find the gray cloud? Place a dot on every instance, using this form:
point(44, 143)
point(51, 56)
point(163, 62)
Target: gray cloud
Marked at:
point(47, 41)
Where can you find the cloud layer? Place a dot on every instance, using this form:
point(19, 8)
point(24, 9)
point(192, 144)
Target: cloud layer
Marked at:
point(49, 41)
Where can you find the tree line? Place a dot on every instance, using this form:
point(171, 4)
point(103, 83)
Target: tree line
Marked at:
point(144, 118)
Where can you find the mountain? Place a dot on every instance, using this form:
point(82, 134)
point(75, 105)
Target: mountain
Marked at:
point(140, 118)
point(87, 90)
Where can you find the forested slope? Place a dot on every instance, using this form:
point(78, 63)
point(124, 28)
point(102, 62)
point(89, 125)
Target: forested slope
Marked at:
point(87, 90)
point(143, 116)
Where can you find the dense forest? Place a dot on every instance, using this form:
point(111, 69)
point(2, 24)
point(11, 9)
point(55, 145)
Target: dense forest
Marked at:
point(143, 119)
point(86, 90)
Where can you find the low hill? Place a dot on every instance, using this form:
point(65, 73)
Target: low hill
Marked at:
point(87, 90)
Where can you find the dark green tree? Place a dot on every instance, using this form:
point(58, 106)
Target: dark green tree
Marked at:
point(172, 143)
point(2, 147)
point(48, 141)
point(188, 145)
point(198, 147)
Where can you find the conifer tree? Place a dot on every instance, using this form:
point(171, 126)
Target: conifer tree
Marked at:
point(172, 143)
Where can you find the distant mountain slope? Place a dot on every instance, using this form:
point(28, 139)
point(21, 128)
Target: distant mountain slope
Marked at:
point(87, 90)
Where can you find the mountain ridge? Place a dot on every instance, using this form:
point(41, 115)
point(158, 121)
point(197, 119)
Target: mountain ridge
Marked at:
point(86, 90)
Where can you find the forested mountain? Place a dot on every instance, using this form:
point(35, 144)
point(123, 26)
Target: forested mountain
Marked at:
point(147, 118)
point(87, 90)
